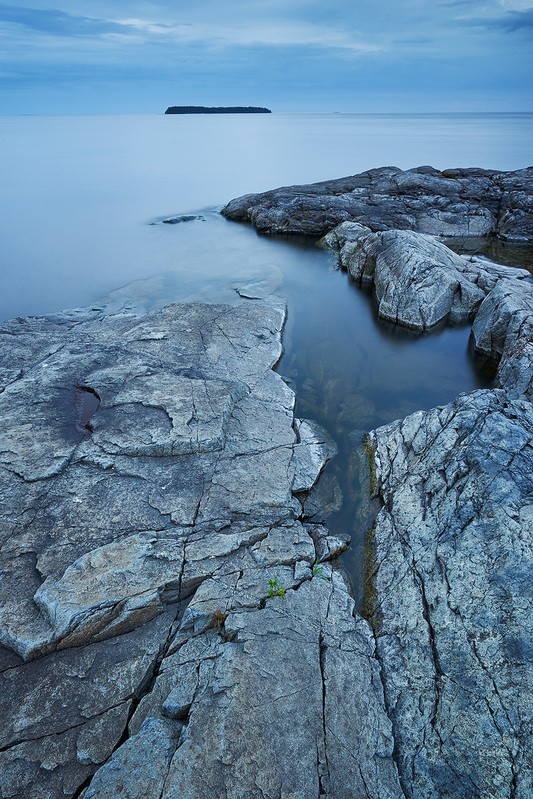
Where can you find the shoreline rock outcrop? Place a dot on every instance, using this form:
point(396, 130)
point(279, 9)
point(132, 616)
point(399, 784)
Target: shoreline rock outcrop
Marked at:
point(449, 555)
point(454, 202)
point(418, 281)
point(452, 552)
point(166, 628)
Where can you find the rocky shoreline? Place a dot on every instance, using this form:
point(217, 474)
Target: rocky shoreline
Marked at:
point(161, 592)
point(456, 202)
point(171, 623)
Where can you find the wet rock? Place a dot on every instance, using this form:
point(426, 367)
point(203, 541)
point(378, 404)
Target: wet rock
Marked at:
point(458, 202)
point(176, 220)
point(257, 290)
point(451, 554)
point(417, 280)
point(356, 410)
point(324, 499)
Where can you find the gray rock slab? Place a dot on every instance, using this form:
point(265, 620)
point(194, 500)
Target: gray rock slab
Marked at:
point(121, 584)
point(503, 329)
point(190, 427)
point(139, 768)
point(63, 714)
point(454, 202)
point(451, 564)
point(314, 448)
point(259, 691)
point(417, 280)
point(264, 706)
point(153, 542)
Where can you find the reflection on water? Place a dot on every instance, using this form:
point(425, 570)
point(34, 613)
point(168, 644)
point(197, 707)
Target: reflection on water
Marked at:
point(502, 252)
point(353, 372)
point(79, 190)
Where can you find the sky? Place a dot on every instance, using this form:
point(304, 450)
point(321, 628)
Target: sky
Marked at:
point(122, 56)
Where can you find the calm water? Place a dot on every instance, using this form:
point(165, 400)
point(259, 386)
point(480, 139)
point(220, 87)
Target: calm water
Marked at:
point(79, 193)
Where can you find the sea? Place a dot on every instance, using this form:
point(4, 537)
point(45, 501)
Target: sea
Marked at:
point(83, 199)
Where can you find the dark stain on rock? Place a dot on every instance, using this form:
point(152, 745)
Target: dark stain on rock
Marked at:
point(87, 401)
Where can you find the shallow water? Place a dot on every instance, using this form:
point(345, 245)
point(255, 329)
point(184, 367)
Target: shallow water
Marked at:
point(353, 372)
point(79, 194)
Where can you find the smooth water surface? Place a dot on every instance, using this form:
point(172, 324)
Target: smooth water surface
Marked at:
point(79, 194)
point(78, 191)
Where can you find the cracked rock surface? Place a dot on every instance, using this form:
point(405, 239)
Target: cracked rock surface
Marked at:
point(164, 628)
point(417, 280)
point(503, 329)
point(448, 560)
point(456, 202)
point(451, 579)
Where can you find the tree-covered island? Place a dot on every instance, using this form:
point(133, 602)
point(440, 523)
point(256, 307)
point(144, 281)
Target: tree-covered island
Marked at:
point(203, 109)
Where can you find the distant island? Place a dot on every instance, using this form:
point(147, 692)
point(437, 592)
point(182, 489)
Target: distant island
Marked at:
point(229, 109)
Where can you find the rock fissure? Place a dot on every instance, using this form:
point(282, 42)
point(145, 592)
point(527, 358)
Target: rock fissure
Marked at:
point(321, 657)
point(63, 730)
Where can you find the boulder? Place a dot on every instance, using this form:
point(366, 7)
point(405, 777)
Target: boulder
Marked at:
point(417, 280)
point(503, 330)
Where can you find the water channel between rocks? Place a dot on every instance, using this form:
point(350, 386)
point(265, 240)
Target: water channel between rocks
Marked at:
point(351, 372)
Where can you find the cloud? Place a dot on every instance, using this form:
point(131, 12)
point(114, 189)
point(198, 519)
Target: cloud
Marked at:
point(516, 5)
point(515, 20)
point(212, 49)
point(509, 23)
point(56, 22)
point(241, 32)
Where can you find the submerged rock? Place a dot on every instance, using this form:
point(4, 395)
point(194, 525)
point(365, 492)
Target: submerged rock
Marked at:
point(456, 202)
point(176, 220)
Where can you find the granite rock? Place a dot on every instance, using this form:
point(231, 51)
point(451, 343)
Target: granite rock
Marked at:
point(455, 202)
point(417, 280)
point(503, 330)
point(165, 629)
point(162, 630)
point(265, 704)
point(451, 559)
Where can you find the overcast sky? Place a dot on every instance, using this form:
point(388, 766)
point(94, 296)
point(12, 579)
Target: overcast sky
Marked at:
point(122, 56)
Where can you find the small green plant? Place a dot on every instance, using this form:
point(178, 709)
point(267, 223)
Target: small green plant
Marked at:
point(318, 571)
point(275, 589)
